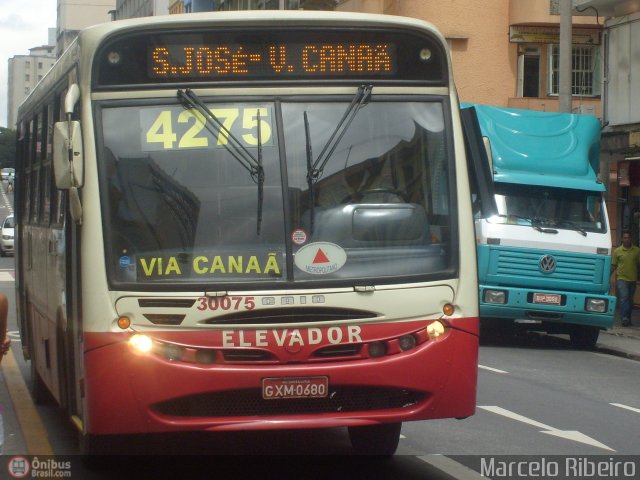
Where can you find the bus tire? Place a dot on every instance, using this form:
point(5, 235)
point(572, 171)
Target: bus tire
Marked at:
point(92, 451)
point(380, 440)
point(39, 390)
point(584, 337)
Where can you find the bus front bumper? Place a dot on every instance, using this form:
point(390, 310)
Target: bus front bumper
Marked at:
point(131, 393)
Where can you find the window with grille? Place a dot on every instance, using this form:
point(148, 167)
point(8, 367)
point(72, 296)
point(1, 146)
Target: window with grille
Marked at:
point(583, 70)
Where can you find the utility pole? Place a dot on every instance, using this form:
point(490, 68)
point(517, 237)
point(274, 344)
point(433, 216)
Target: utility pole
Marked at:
point(564, 80)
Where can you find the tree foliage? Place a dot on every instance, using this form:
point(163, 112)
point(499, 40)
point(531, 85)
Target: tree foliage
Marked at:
point(7, 147)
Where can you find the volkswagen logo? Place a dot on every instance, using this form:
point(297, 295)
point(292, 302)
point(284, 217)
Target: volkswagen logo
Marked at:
point(547, 264)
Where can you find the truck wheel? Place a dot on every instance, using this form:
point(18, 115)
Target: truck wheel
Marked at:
point(584, 337)
point(381, 440)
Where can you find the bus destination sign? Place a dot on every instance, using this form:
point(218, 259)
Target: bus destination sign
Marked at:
point(275, 60)
point(176, 57)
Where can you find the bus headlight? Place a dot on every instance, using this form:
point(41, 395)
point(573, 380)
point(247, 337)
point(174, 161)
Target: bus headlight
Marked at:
point(596, 305)
point(435, 329)
point(494, 296)
point(141, 343)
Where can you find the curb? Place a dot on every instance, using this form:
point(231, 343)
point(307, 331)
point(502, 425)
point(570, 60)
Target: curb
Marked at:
point(617, 352)
point(621, 334)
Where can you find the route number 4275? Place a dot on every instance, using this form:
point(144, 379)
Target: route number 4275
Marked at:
point(178, 129)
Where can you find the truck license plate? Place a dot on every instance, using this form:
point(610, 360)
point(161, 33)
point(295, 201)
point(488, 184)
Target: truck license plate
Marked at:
point(294, 387)
point(548, 298)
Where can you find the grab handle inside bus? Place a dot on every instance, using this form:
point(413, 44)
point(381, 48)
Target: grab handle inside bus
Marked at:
point(68, 158)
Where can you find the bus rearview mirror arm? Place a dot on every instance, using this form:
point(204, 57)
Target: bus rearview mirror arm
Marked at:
point(68, 158)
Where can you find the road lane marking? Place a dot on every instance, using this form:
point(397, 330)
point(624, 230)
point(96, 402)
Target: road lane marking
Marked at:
point(6, 276)
point(451, 467)
point(626, 407)
point(13, 335)
point(567, 434)
point(491, 369)
point(35, 435)
point(6, 200)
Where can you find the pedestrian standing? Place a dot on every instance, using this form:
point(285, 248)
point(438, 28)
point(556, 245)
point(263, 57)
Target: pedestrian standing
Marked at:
point(625, 262)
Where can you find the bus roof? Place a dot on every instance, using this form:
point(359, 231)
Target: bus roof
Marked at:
point(266, 17)
point(542, 148)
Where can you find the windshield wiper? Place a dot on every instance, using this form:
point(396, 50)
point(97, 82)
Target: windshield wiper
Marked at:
point(572, 226)
point(360, 99)
point(310, 179)
point(260, 174)
point(234, 146)
point(316, 168)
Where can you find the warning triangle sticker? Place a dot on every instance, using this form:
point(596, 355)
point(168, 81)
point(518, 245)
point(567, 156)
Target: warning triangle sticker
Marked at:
point(320, 257)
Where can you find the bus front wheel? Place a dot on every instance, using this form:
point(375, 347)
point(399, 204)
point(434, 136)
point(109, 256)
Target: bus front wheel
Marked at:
point(381, 440)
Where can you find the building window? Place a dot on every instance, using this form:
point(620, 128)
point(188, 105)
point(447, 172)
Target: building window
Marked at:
point(583, 70)
point(27, 77)
point(26, 90)
point(529, 71)
point(39, 65)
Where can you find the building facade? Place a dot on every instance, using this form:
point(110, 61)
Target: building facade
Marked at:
point(621, 111)
point(141, 8)
point(24, 72)
point(505, 52)
point(73, 16)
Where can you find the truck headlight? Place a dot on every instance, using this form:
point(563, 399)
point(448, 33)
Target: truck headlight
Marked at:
point(596, 305)
point(494, 296)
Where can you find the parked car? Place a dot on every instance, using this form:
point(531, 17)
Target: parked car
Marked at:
point(6, 236)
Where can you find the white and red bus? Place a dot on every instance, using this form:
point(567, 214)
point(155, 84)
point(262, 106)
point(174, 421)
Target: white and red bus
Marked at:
point(254, 220)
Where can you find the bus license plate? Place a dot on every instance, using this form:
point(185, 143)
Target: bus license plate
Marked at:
point(294, 387)
point(548, 298)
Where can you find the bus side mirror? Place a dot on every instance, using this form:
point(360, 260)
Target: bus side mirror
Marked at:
point(68, 163)
point(67, 155)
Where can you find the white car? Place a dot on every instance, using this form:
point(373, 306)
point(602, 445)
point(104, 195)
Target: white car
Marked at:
point(6, 236)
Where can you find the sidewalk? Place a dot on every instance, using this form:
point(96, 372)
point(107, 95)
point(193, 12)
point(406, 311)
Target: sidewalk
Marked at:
point(622, 341)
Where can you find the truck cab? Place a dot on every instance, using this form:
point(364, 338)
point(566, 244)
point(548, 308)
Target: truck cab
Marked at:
point(544, 260)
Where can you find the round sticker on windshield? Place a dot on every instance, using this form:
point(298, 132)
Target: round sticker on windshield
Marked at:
point(320, 258)
point(299, 236)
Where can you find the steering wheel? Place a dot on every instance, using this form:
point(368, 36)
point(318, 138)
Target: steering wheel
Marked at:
point(397, 196)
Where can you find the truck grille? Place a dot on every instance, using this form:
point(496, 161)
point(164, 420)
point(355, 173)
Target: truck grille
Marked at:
point(573, 271)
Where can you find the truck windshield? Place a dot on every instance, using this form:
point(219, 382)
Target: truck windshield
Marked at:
point(559, 208)
point(180, 209)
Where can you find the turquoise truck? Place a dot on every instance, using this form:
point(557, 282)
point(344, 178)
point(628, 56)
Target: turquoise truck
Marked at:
point(544, 260)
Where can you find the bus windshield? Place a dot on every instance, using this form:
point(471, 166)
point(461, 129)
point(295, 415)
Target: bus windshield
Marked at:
point(180, 204)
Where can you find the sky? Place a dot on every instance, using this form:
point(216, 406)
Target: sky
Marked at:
point(24, 24)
